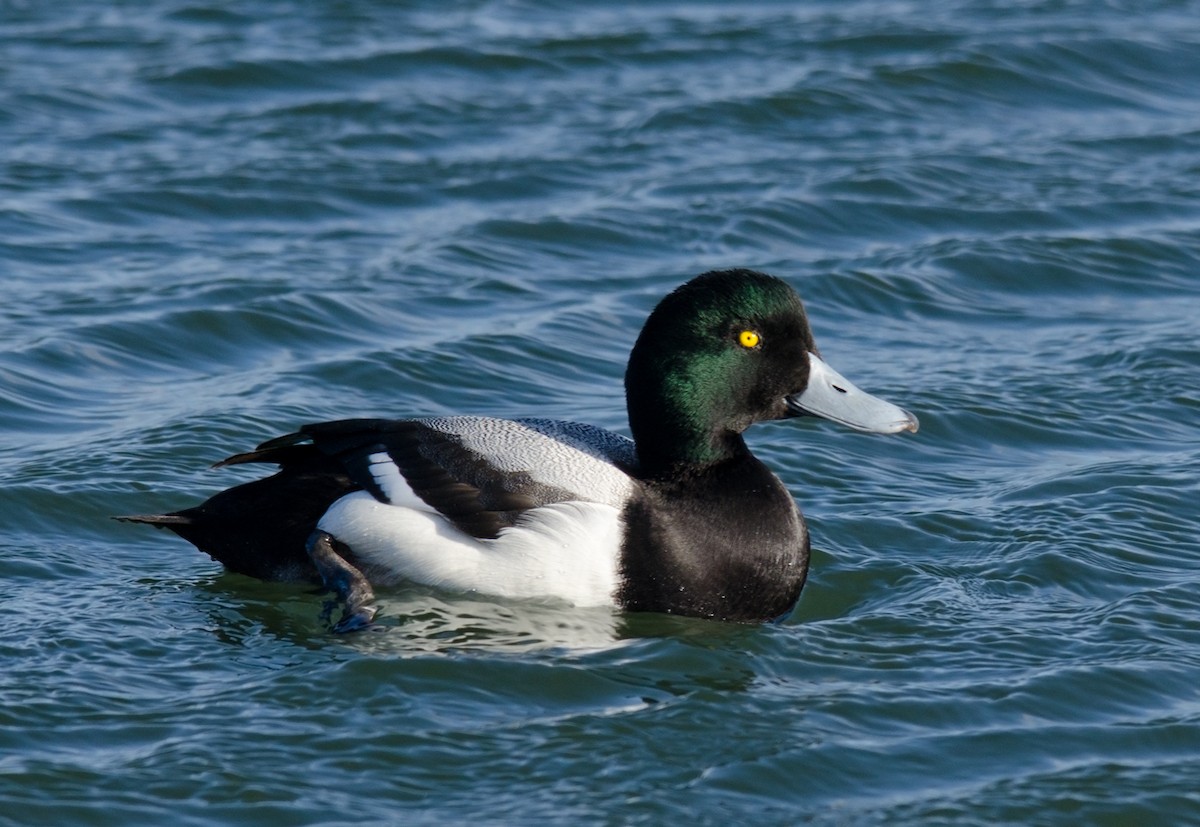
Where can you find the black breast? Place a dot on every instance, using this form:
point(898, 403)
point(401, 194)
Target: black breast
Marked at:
point(727, 542)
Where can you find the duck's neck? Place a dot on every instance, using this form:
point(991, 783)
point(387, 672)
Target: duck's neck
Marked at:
point(664, 452)
point(675, 431)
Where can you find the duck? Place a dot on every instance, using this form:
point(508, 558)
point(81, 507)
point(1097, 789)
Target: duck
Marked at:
point(680, 519)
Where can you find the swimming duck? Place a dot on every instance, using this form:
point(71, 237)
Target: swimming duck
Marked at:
point(683, 518)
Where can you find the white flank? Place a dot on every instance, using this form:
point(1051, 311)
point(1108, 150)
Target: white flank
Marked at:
point(565, 550)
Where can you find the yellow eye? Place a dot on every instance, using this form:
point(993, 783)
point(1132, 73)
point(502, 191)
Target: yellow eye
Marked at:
point(748, 338)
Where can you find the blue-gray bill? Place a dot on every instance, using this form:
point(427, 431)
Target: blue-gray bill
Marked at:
point(830, 395)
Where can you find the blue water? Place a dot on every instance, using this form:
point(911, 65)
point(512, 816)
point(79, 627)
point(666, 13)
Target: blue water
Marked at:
point(218, 222)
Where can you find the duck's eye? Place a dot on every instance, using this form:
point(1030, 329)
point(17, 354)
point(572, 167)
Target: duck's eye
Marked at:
point(748, 339)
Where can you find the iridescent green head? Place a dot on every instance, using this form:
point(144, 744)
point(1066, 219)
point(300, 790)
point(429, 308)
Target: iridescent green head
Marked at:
point(726, 350)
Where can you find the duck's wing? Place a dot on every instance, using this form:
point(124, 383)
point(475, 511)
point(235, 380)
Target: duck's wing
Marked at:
point(479, 473)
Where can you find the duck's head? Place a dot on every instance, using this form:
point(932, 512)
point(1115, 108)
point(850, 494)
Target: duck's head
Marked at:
point(726, 350)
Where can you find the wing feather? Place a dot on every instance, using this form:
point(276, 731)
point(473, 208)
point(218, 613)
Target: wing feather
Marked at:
point(481, 474)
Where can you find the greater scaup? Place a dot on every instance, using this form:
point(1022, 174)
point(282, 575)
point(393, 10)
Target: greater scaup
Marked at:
point(680, 519)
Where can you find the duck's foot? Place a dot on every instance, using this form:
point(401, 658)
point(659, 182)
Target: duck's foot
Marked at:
point(351, 587)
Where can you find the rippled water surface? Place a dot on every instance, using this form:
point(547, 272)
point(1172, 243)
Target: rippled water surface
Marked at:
point(220, 221)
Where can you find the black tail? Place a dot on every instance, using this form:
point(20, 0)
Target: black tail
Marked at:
point(158, 520)
point(260, 528)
